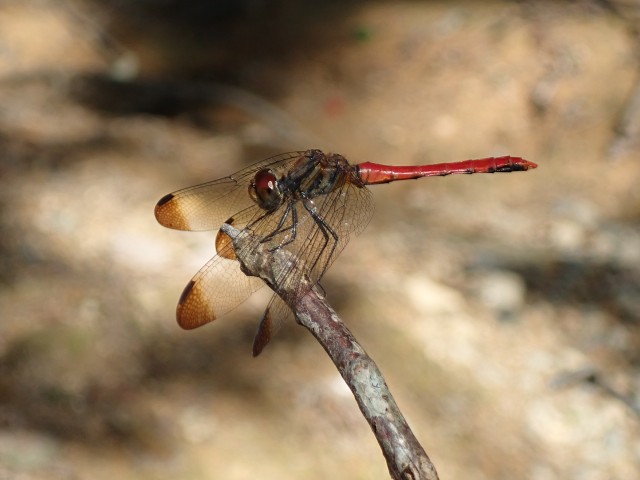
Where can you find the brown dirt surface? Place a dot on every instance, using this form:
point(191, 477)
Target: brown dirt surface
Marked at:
point(503, 309)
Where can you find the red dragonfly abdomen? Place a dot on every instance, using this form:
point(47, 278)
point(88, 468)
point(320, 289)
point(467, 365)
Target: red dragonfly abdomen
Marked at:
point(372, 173)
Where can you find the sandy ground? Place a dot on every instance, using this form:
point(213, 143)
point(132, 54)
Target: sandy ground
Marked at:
point(503, 309)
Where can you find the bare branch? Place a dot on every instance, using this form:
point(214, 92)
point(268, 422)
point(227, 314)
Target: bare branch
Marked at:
point(406, 459)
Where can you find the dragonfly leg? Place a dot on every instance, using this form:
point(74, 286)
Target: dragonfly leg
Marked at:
point(326, 231)
point(293, 228)
point(279, 230)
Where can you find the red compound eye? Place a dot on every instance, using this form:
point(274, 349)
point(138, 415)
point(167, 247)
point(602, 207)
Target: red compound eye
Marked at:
point(264, 190)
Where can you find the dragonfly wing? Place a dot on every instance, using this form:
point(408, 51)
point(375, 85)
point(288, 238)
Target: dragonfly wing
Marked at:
point(346, 210)
point(203, 207)
point(216, 289)
point(206, 206)
point(314, 230)
point(274, 316)
point(220, 285)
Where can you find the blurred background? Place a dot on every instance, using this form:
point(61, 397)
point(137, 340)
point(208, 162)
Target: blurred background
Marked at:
point(502, 309)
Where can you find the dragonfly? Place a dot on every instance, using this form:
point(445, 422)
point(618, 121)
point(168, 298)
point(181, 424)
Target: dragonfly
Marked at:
point(306, 202)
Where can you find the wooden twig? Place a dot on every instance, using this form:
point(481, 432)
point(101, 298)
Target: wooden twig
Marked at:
point(406, 459)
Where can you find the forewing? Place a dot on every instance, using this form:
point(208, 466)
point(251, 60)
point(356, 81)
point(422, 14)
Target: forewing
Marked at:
point(206, 206)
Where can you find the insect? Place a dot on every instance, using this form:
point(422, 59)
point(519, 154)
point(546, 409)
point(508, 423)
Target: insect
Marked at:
point(306, 202)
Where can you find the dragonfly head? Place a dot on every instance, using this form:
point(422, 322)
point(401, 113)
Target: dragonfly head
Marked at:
point(265, 190)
